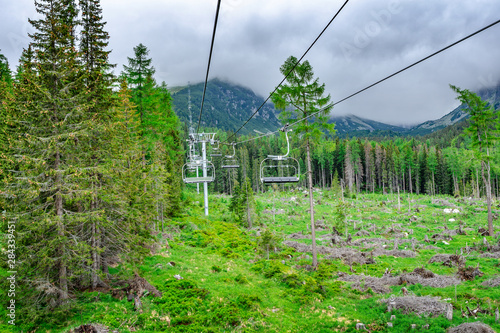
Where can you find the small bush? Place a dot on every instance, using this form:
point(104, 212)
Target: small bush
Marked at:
point(241, 279)
point(274, 269)
point(248, 301)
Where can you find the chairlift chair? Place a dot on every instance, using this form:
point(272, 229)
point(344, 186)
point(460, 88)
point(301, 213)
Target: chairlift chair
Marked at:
point(280, 169)
point(215, 150)
point(230, 161)
point(192, 172)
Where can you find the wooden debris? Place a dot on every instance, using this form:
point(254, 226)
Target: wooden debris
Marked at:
point(137, 304)
point(471, 327)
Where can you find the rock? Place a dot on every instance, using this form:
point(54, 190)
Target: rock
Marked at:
point(178, 277)
point(389, 324)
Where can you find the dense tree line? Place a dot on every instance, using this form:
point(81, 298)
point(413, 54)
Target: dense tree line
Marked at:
point(407, 165)
point(90, 163)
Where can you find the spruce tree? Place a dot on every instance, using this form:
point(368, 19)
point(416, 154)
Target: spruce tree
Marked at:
point(51, 113)
point(159, 130)
point(98, 85)
point(5, 127)
point(484, 133)
point(298, 99)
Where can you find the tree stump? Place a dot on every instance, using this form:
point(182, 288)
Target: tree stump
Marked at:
point(137, 304)
point(449, 312)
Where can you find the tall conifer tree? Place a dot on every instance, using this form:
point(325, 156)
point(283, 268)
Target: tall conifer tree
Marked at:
point(51, 113)
point(97, 83)
point(483, 130)
point(299, 98)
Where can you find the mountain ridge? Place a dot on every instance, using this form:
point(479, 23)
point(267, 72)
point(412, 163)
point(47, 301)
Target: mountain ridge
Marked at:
point(228, 105)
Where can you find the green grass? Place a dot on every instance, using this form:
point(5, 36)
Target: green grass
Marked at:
point(229, 286)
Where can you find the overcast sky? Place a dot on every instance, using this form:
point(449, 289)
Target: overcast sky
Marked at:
point(369, 40)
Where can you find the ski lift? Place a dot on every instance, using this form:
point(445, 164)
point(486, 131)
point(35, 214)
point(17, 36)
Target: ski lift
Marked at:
point(280, 168)
point(193, 172)
point(197, 170)
point(215, 150)
point(193, 155)
point(230, 161)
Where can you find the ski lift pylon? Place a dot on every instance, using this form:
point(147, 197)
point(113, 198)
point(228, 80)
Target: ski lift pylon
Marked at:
point(280, 168)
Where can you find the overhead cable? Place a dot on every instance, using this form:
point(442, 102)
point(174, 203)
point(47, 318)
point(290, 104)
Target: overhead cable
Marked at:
point(289, 72)
point(208, 67)
point(385, 78)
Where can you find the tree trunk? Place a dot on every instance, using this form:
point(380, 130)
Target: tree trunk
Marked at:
point(63, 279)
point(95, 257)
point(478, 192)
point(311, 205)
point(94, 240)
point(249, 219)
point(410, 181)
point(433, 184)
point(486, 173)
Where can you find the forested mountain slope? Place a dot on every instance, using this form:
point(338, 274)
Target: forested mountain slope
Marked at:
point(227, 106)
point(492, 95)
point(351, 125)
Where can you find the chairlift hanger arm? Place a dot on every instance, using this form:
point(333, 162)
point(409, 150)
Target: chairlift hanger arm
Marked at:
point(234, 151)
point(285, 129)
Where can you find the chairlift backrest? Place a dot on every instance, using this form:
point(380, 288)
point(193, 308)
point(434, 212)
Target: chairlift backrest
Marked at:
point(193, 172)
point(230, 161)
point(280, 168)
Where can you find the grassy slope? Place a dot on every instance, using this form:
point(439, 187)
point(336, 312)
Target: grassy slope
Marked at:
point(227, 286)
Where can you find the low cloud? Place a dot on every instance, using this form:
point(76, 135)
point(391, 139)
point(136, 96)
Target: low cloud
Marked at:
point(368, 41)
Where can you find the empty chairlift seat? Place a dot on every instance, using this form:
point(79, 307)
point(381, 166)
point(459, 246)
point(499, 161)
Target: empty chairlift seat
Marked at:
point(193, 172)
point(215, 149)
point(230, 161)
point(280, 168)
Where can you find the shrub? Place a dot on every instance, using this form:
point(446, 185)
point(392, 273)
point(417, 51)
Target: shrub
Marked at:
point(241, 279)
point(274, 269)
